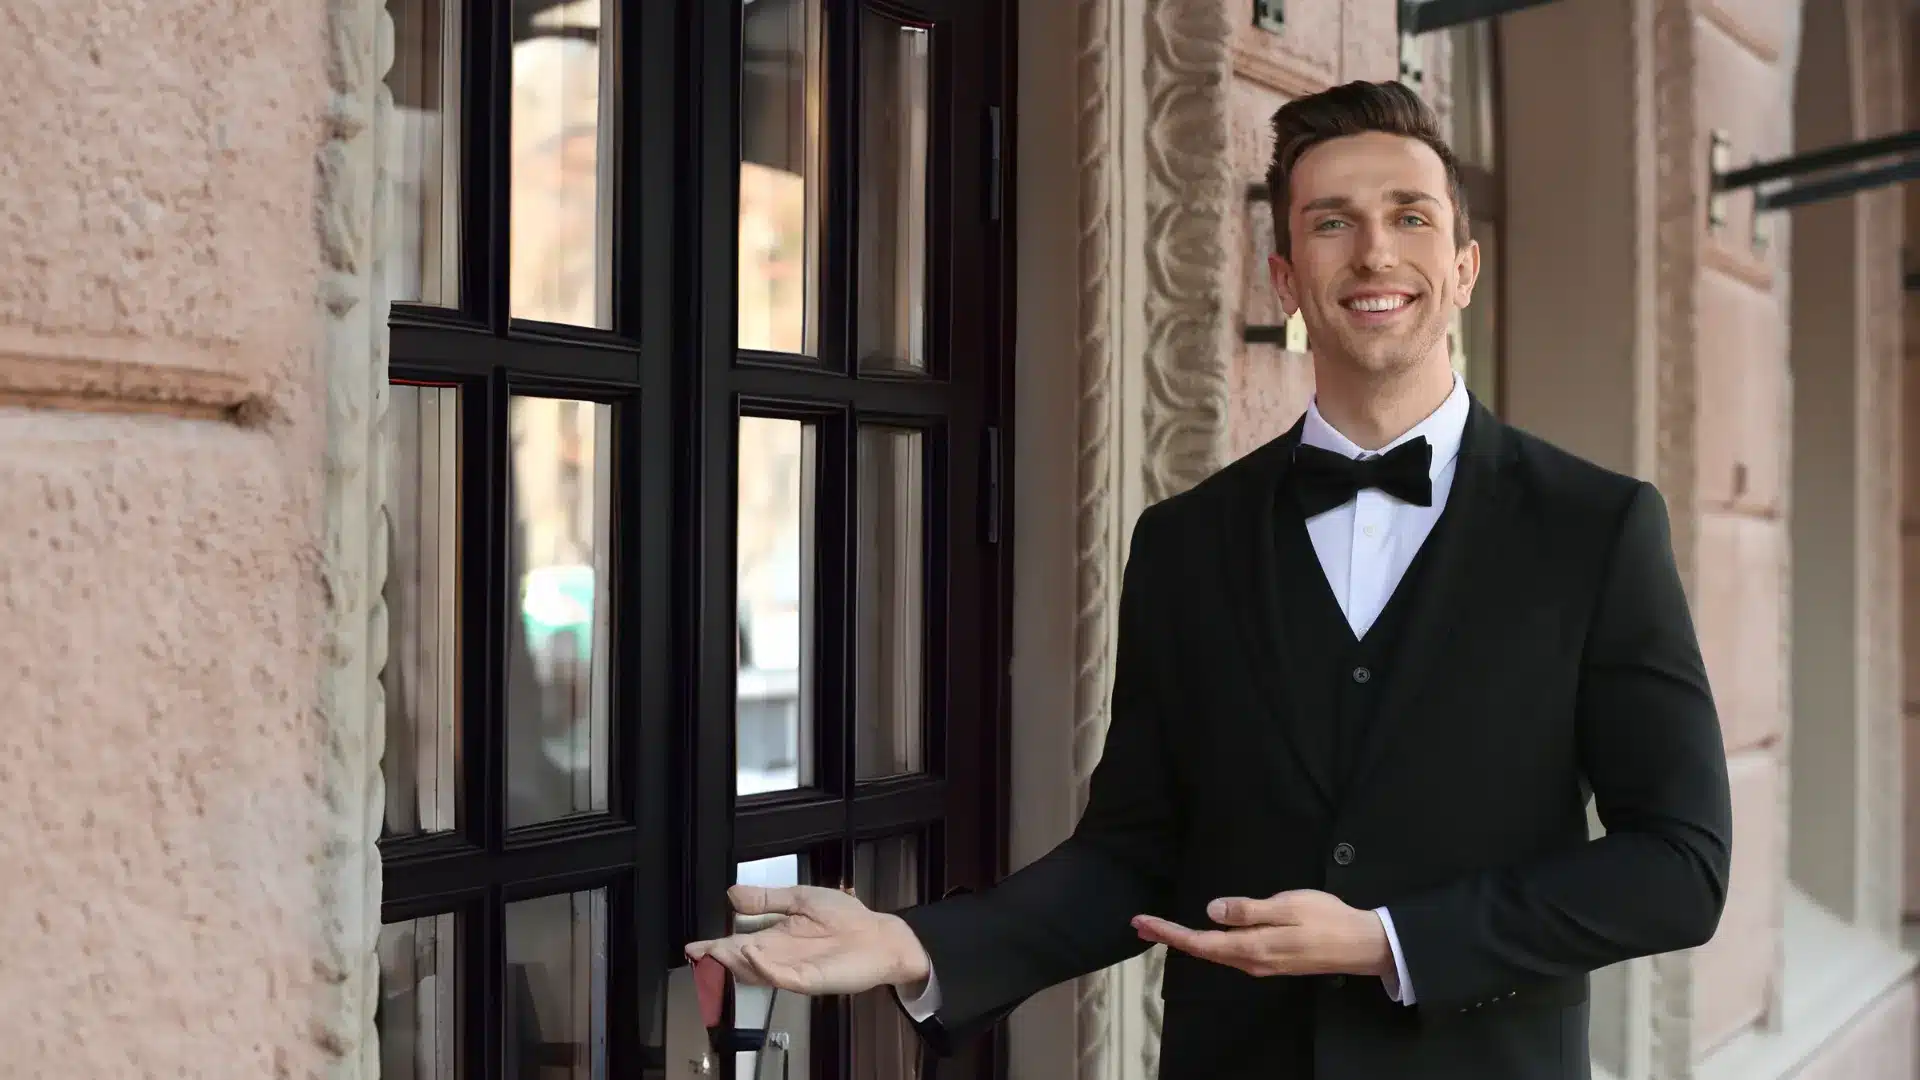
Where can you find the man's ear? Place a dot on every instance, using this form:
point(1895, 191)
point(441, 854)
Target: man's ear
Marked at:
point(1280, 272)
point(1466, 267)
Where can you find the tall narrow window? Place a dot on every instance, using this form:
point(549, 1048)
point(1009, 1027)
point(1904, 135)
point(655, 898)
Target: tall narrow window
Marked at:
point(562, 164)
point(424, 261)
point(782, 176)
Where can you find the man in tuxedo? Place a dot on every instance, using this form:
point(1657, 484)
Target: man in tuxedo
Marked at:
point(1368, 679)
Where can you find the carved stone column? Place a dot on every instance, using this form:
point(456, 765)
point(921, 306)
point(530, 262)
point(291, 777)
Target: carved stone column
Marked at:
point(1096, 583)
point(352, 219)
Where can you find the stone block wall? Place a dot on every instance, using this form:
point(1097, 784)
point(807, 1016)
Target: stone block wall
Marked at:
point(161, 426)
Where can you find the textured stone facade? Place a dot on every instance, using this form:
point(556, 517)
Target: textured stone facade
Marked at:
point(162, 424)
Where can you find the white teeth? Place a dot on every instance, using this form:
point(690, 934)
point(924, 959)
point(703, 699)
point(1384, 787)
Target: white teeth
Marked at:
point(1377, 303)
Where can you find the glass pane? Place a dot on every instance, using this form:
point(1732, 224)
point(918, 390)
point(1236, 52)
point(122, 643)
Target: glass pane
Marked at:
point(758, 1007)
point(559, 649)
point(556, 991)
point(781, 170)
point(886, 876)
point(422, 677)
point(775, 618)
point(1472, 116)
point(892, 292)
point(562, 230)
point(419, 1011)
point(890, 604)
point(424, 263)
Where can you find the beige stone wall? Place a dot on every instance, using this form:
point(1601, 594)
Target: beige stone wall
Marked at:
point(1743, 77)
point(161, 427)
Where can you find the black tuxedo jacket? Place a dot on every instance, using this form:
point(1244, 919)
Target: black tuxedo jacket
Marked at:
point(1548, 657)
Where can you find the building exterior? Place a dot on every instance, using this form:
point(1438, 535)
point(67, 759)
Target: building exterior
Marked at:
point(483, 477)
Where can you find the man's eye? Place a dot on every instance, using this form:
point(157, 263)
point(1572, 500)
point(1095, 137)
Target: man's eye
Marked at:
point(1412, 219)
point(1329, 223)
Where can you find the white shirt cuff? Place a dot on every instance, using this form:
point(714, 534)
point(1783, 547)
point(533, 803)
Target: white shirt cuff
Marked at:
point(1399, 985)
point(922, 1007)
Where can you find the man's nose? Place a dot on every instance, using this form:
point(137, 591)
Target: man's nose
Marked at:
point(1378, 249)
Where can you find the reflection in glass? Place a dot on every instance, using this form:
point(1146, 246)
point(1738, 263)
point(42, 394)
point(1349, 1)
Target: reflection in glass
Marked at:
point(562, 206)
point(775, 618)
point(781, 170)
point(559, 650)
point(419, 1011)
point(891, 300)
point(424, 261)
point(886, 877)
point(889, 622)
point(421, 676)
point(754, 1007)
point(556, 990)
point(1472, 115)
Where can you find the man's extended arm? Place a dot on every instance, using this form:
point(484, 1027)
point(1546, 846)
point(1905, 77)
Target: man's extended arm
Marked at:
point(1651, 748)
point(1070, 911)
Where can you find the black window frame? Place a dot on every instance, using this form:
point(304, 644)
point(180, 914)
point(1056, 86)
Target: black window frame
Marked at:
point(670, 366)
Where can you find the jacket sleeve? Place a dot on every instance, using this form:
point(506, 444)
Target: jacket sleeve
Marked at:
point(1070, 912)
point(1650, 745)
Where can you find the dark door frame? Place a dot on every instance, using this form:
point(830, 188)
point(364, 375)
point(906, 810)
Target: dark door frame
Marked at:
point(973, 162)
point(669, 368)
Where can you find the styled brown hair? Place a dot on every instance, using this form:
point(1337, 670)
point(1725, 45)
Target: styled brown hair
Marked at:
point(1353, 109)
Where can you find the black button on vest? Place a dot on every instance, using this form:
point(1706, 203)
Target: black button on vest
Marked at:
point(1339, 679)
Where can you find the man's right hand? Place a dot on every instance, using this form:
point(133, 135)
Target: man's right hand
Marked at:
point(819, 942)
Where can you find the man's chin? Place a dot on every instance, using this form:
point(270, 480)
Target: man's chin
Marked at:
point(1371, 357)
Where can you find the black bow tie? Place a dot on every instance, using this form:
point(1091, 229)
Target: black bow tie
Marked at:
point(1323, 479)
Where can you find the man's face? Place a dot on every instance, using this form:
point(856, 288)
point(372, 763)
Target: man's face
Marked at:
point(1373, 271)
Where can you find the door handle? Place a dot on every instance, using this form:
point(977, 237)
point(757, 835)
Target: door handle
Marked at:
point(699, 1046)
point(690, 1053)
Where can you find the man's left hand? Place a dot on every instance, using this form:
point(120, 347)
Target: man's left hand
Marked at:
point(1303, 932)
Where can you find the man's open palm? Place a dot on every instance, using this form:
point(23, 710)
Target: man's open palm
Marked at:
point(814, 941)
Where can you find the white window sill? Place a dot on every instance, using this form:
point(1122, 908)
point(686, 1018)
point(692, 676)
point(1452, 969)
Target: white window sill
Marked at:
point(1833, 973)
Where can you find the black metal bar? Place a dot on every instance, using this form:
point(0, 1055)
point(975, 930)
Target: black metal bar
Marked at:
point(995, 167)
point(1838, 187)
point(1913, 281)
point(1423, 18)
point(1265, 335)
point(1818, 160)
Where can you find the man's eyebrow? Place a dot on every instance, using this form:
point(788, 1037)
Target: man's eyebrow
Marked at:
point(1327, 202)
point(1399, 196)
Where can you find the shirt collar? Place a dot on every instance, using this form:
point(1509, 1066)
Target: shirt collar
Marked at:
point(1443, 429)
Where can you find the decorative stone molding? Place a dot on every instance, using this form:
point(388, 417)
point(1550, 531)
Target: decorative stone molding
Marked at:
point(351, 219)
point(1290, 75)
point(1303, 59)
point(1190, 196)
point(1094, 506)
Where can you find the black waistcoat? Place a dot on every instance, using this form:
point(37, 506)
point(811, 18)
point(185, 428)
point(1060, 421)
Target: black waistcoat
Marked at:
point(1338, 679)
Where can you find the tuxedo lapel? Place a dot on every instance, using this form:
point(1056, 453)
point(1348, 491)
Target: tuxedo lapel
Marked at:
point(1461, 549)
point(1256, 593)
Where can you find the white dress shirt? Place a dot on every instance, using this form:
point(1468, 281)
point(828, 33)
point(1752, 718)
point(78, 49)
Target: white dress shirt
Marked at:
point(1364, 546)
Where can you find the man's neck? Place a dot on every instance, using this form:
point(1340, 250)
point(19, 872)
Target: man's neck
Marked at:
point(1372, 410)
